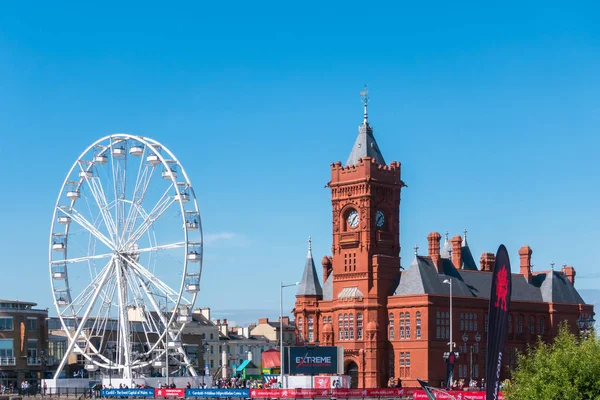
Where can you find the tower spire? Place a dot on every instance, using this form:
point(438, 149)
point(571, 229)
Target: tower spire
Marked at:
point(365, 99)
point(309, 247)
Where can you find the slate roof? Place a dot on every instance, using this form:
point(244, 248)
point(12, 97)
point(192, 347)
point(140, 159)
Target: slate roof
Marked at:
point(328, 288)
point(365, 146)
point(446, 251)
point(309, 285)
point(468, 262)
point(422, 278)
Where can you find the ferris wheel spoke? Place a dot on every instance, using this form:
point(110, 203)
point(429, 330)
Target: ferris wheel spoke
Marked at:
point(99, 196)
point(162, 205)
point(161, 247)
point(87, 292)
point(84, 319)
point(88, 226)
point(139, 193)
point(157, 283)
point(81, 259)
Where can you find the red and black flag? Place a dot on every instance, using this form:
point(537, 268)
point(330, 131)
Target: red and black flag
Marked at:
point(427, 389)
point(497, 321)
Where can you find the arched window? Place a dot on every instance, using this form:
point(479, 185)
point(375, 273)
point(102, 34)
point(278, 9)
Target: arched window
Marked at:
point(300, 333)
point(359, 326)
point(351, 326)
point(401, 325)
point(340, 327)
point(475, 322)
point(391, 326)
point(346, 335)
point(418, 323)
point(462, 322)
point(407, 323)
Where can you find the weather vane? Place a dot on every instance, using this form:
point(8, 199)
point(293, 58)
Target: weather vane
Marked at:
point(365, 96)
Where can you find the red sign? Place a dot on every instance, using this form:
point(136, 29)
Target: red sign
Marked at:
point(169, 392)
point(454, 394)
point(326, 393)
point(322, 382)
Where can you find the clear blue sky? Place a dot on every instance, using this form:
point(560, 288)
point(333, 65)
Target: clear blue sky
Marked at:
point(494, 112)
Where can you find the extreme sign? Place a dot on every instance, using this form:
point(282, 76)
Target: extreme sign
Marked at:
point(311, 360)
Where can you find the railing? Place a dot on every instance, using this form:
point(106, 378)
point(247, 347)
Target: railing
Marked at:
point(8, 361)
point(34, 361)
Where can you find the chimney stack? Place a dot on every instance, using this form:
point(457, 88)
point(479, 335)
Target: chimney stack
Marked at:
point(457, 251)
point(487, 262)
point(326, 263)
point(569, 272)
point(525, 263)
point(433, 240)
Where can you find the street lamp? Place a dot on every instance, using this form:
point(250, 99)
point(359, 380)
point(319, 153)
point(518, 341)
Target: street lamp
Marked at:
point(465, 339)
point(477, 340)
point(204, 351)
point(281, 286)
point(586, 326)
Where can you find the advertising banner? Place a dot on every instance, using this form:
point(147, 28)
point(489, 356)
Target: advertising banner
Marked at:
point(498, 310)
point(453, 394)
point(327, 393)
point(218, 393)
point(311, 360)
point(169, 392)
point(127, 392)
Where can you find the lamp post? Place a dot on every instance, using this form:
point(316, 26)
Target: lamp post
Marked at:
point(281, 286)
point(586, 326)
point(465, 339)
point(477, 340)
point(204, 350)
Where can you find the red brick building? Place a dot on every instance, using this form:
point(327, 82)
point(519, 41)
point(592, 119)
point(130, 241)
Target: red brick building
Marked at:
point(394, 322)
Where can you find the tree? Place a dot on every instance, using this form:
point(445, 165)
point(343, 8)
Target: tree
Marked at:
point(569, 368)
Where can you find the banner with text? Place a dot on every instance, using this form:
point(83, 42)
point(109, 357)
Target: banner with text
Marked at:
point(311, 360)
point(327, 393)
point(169, 392)
point(218, 393)
point(453, 394)
point(127, 392)
point(498, 310)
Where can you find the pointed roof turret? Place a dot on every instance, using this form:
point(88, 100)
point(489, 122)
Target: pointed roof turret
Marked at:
point(365, 144)
point(309, 285)
point(447, 249)
point(468, 262)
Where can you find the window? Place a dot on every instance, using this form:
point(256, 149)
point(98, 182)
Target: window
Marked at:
point(6, 323)
point(32, 324)
point(211, 336)
point(407, 318)
point(541, 327)
point(311, 334)
point(509, 323)
point(531, 324)
point(32, 349)
point(519, 326)
point(401, 325)
point(418, 323)
point(340, 327)
point(6, 348)
point(359, 322)
point(212, 350)
point(351, 326)
point(442, 321)
point(346, 335)
point(391, 326)
point(212, 364)
point(300, 333)
point(404, 364)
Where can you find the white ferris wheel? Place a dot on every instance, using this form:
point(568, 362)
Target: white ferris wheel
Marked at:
point(125, 256)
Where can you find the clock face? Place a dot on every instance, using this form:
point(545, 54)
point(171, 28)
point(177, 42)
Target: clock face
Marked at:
point(380, 219)
point(353, 218)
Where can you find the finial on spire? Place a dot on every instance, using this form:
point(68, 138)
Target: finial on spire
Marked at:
point(309, 244)
point(552, 265)
point(465, 233)
point(446, 235)
point(416, 250)
point(365, 96)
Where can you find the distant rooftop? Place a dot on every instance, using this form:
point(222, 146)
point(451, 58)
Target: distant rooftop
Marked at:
point(16, 304)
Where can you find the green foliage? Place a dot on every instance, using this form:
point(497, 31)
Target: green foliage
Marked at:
point(569, 368)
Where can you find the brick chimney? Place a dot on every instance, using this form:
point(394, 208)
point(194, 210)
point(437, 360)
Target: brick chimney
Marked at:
point(486, 262)
point(569, 272)
point(263, 321)
point(433, 240)
point(457, 251)
point(525, 265)
point(326, 263)
point(286, 320)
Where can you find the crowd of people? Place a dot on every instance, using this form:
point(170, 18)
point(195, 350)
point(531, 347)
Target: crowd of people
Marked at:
point(25, 387)
point(473, 384)
point(240, 383)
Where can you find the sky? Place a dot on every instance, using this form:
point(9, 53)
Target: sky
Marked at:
point(493, 111)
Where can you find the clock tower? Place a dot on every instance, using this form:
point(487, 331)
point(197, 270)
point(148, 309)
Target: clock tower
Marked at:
point(365, 195)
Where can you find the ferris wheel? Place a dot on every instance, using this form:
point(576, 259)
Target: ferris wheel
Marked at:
point(125, 256)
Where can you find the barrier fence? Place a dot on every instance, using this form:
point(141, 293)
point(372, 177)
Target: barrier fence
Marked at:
point(258, 393)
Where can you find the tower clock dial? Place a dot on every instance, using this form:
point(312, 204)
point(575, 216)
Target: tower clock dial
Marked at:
point(353, 219)
point(379, 219)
